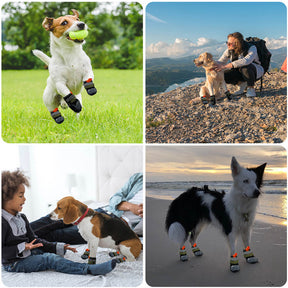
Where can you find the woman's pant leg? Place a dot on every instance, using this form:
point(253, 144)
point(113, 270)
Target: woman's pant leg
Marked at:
point(249, 74)
point(233, 76)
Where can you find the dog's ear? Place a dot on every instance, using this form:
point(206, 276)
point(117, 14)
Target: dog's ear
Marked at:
point(259, 171)
point(235, 167)
point(208, 57)
point(75, 13)
point(71, 214)
point(48, 23)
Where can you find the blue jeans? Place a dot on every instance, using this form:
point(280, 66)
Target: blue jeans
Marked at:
point(40, 261)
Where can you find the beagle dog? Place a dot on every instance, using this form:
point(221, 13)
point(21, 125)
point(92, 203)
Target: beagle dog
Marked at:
point(98, 229)
point(214, 79)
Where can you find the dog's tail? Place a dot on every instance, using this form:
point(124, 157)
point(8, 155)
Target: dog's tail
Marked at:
point(42, 56)
point(177, 233)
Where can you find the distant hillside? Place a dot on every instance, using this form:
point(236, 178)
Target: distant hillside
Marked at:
point(163, 72)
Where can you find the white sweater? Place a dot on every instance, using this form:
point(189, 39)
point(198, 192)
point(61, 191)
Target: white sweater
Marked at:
point(244, 61)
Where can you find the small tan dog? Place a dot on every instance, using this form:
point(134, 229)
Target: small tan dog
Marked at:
point(214, 80)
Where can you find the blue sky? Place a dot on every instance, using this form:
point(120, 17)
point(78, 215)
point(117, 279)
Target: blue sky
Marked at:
point(167, 21)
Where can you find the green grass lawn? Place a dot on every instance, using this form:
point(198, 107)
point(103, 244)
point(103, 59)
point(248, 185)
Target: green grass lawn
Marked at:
point(113, 115)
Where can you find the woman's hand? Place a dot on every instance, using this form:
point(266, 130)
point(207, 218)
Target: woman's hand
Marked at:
point(67, 247)
point(31, 245)
point(219, 67)
point(136, 209)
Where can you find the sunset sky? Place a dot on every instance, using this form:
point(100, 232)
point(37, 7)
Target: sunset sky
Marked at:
point(211, 163)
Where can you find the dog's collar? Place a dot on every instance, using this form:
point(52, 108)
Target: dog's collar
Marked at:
point(82, 217)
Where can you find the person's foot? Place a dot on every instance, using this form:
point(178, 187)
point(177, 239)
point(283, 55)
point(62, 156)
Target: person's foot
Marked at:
point(241, 89)
point(101, 269)
point(250, 92)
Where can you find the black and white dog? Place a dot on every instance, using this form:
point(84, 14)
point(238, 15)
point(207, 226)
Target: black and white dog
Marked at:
point(233, 213)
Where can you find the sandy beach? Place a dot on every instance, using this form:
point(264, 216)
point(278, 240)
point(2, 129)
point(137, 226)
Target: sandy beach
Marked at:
point(163, 267)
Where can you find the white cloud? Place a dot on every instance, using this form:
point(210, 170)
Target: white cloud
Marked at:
point(154, 18)
point(276, 43)
point(185, 47)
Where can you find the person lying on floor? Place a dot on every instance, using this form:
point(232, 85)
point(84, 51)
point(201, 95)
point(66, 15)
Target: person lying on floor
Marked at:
point(126, 204)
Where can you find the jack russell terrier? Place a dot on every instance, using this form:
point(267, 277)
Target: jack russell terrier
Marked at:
point(69, 66)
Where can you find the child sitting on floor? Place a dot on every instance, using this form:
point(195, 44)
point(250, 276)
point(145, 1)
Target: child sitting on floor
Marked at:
point(22, 250)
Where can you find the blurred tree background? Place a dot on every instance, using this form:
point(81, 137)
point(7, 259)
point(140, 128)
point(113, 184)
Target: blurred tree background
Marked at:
point(115, 37)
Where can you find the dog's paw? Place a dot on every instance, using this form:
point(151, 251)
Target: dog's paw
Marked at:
point(252, 260)
point(73, 103)
point(63, 104)
point(212, 100)
point(234, 264)
point(235, 268)
point(89, 86)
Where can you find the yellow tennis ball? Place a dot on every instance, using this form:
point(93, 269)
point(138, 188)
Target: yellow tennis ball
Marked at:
point(78, 35)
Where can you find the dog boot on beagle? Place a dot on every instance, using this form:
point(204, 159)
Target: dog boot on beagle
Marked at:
point(234, 263)
point(228, 95)
point(249, 256)
point(91, 260)
point(113, 254)
point(85, 255)
point(56, 115)
point(89, 86)
point(73, 103)
point(120, 260)
point(101, 269)
point(183, 254)
point(197, 252)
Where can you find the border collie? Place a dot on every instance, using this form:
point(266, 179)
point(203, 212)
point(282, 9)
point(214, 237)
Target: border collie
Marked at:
point(233, 213)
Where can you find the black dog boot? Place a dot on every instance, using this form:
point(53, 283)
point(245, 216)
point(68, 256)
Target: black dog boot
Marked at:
point(204, 100)
point(89, 86)
point(228, 95)
point(56, 115)
point(183, 254)
point(212, 100)
point(85, 255)
point(249, 256)
point(197, 252)
point(120, 260)
point(92, 260)
point(73, 103)
point(113, 254)
point(234, 263)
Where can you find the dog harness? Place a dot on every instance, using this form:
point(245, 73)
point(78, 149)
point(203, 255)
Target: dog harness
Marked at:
point(89, 86)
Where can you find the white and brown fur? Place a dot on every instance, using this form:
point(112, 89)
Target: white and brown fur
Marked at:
point(99, 229)
point(69, 67)
point(214, 80)
point(233, 213)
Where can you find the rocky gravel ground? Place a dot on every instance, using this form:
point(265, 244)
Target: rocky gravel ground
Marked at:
point(179, 116)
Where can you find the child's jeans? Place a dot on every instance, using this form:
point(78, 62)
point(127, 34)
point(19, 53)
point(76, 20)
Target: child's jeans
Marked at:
point(40, 261)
